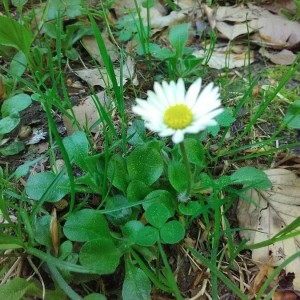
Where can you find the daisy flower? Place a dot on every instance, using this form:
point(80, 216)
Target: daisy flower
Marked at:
point(170, 110)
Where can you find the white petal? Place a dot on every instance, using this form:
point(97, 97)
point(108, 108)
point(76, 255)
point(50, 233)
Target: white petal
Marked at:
point(166, 132)
point(169, 92)
point(206, 94)
point(207, 120)
point(193, 93)
point(154, 100)
point(178, 136)
point(145, 110)
point(180, 91)
point(160, 92)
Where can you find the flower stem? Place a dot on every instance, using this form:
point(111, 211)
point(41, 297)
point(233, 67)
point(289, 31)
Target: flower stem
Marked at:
point(188, 169)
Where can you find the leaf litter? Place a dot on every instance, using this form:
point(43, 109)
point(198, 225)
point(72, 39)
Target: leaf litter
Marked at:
point(269, 212)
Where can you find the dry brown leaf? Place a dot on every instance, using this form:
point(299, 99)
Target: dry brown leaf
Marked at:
point(157, 13)
point(86, 114)
point(175, 17)
point(99, 76)
point(276, 6)
point(90, 44)
point(264, 272)
point(187, 4)
point(231, 22)
point(270, 30)
point(237, 14)
point(221, 58)
point(275, 31)
point(284, 57)
point(285, 295)
point(232, 32)
point(276, 208)
point(2, 90)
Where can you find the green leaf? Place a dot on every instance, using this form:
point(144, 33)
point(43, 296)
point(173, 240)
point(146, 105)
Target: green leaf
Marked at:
point(69, 8)
point(222, 182)
point(102, 255)
point(145, 163)
point(120, 209)
point(161, 196)
point(13, 148)
point(178, 37)
point(55, 185)
point(195, 151)
point(252, 177)
point(65, 249)
point(213, 130)
point(9, 242)
point(77, 148)
point(16, 103)
point(136, 133)
point(42, 232)
point(9, 123)
point(85, 225)
point(178, 176)
point(191, 208)
point(225, 118)
point(292, 117)
point(172, 232)
point(157, 215)
point(15, 35)
point(117, 172)
point(18, 288)
point(131, 229)
point(18, 3)
point(18, 65)
point(147, 236)
point(95, 296)
point(136, 284)
point(22, 170)
point(137, 190)
point(148, 3)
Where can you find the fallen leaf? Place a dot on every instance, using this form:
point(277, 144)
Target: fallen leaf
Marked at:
point(221, 58)
point(264, 28)
point(276, 6)
point(238, 13)
point(90, 44)
point(99, 76)
point(175, 17)
point(284, 57)
point(232, 32)
point(264, 272)
point(2, 90)
point(187, 4)
point(274, 210)
point(86, 114)
point(275, 31)
point(285, 295)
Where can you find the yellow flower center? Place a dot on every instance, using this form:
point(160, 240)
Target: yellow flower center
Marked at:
point(178, 116)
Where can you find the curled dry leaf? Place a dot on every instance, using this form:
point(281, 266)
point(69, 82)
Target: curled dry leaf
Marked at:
point(86, 114)
point(275, 31)
point(235, 57)
point(274, 209)
point(284, 57)
point(90, 44)
point(99, 76)
point(187, 4)
point(265, 29)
